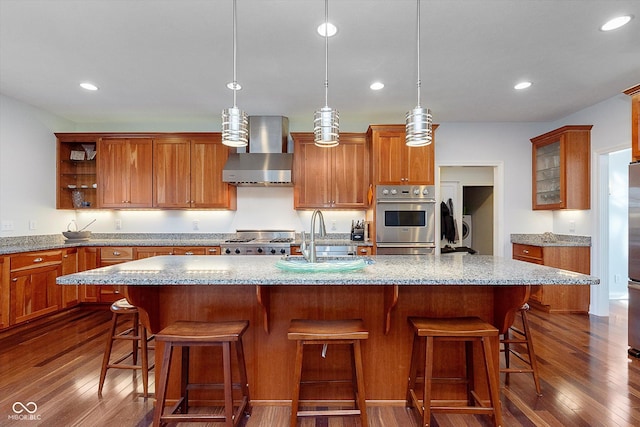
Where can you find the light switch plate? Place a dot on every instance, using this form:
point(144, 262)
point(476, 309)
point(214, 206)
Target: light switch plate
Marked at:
point(7, 225)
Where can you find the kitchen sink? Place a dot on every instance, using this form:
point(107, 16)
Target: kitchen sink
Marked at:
point(323, 264)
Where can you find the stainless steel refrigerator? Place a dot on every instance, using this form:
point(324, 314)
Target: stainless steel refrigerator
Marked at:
point(634, 259)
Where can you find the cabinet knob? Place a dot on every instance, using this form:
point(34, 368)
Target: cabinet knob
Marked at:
point(525, 251)
point(116, 253)
point(363, 251)
point(188, 253)
point(38, 259)
point(213, 250)
point(15, 279)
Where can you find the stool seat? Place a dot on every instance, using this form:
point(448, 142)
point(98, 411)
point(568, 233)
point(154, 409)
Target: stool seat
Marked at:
point(187, 334)
point(137, 334)
point(429, 331)
point(329, 332)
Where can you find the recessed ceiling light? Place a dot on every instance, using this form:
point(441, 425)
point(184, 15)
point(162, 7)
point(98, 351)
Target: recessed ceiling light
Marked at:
point(616, 23)
point(376, 85)
point(88, 86)
point(330, 27)
point(522, 85)
point(232, 86)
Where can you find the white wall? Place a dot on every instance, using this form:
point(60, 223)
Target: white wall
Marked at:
point(28, 169)
point(618, 223)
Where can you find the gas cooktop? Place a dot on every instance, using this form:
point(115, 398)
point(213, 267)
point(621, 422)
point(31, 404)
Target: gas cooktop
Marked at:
point(259, 242)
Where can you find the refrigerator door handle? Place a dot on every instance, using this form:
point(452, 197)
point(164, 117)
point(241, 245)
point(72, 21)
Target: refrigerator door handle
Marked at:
point(634, 285)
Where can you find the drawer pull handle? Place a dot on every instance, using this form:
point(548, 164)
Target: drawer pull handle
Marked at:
point(213, 250)
point(116, 253)
point(525, 251)
point(188, 253)
point(38, 259)
point(15, 279)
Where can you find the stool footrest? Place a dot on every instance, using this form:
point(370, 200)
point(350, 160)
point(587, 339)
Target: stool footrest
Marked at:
point(191, 417)
point(328, 412)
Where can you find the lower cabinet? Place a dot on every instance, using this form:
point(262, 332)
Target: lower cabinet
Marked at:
point(32, 286)
point(111, 255)
point(70, 294)
point(558, 298)
point(147, 252)
point(4, 292)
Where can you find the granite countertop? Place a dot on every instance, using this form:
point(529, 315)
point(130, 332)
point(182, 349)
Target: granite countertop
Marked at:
point(450, 269)
point(550, 239)
point(12, 245)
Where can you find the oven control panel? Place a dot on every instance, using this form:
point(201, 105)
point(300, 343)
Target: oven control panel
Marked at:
point(412, 192)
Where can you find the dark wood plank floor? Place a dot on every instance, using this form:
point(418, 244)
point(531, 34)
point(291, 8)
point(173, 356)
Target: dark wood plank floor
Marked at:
point(587, 379)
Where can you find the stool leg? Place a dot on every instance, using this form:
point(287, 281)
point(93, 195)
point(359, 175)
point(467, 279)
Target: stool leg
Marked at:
point(228, 386)
point(507, 353)
point(107, 352)
point(244, 382)
point(184, 380)
point(428, 375)
point(468, 355)
point(162, 384)
point(532, 356)
point(145, 360)
point(297, 377)
point(361, 401)
point(494, 387)
point(413, 369)
point(135, 330)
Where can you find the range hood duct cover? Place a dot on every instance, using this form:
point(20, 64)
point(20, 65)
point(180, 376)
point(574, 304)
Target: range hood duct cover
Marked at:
point(267, 162)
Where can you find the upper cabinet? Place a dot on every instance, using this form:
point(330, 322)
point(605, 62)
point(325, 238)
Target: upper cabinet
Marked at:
point(125, 172)
point(187, 173)
point(335, 177)
point(76, 171)
point(561, 168)
point(634, 93)
point(393, 162)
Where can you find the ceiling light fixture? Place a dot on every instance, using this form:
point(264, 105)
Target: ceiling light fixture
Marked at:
point(88, 86)
point(418, 129)
point(522, 85)
point(235, 123)
point(328, 29)
point(376, 86)
point(615, 23)
point(326, 120)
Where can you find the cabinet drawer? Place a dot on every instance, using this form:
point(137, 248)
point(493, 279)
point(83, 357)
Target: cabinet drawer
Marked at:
point(116, 253)
point(527, 251)
point(35, 259)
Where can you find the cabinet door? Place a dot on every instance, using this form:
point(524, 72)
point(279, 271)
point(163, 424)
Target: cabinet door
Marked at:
point(125, 173)
point(34, 293)
point(420, 165)
point(4, 292)
point(88, 260)
point(350, 173)
point(208, 157)
point(171, 173)
point(190, 251)
point(389, 158)
point(312, 174)
point(70, 294)
point(148, 252)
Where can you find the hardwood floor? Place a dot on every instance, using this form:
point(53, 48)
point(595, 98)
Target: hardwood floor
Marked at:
point(587, 379)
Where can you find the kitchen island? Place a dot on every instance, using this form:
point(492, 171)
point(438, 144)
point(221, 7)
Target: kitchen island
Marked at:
point(384, 294)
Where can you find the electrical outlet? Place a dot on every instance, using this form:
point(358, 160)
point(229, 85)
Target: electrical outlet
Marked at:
point(196, 224)
point(7, 225)
point(572, 226)
point(33, 224)
point(333, 225)
point(118, 224)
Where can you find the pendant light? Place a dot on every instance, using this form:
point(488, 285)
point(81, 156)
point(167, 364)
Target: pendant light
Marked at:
point(326, 120)
point(235, 123)
point(418, 130)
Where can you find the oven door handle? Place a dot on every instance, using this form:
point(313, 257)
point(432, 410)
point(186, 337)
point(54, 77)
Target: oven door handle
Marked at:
point(405, 245)
point(415, 201)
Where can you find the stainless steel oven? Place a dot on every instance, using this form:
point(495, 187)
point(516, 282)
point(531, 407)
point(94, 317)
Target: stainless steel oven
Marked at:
point(405, 219)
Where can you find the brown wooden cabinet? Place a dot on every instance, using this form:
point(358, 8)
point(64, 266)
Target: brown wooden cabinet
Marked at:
point(111, 255)
point(76, 177)
point(70, 294)
point(561, 169)
point(125, 172)
point(336, 177)
point(558, 298)
point(33, 290)
point(88, 260)
point(393, 162)
point(149, 251)
point(5, 295)
point(187, 173)
point(634, 93)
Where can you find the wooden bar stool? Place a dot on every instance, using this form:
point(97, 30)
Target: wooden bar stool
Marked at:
point(520, 337)
point(137, 334)
point(428, 331)
point(187, 334)
point(328, 332)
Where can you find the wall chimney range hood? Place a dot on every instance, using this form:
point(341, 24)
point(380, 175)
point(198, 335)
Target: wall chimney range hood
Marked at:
point(267, 161)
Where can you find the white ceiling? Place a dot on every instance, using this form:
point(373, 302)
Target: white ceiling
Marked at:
point(170, 60)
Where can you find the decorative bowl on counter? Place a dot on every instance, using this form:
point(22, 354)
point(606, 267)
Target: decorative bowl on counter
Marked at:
point(77, 235)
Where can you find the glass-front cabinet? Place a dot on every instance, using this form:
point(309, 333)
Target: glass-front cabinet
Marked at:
point(561, 168)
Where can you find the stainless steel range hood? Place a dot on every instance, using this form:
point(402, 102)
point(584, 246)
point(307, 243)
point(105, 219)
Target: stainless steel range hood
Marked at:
point(267, 161)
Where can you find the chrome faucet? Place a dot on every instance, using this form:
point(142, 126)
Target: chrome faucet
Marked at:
point(310, 253)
